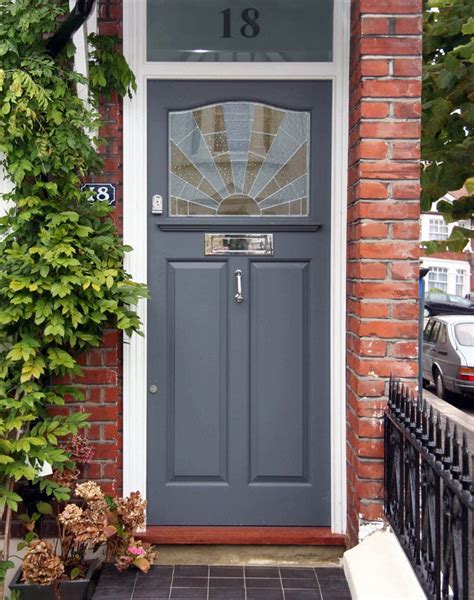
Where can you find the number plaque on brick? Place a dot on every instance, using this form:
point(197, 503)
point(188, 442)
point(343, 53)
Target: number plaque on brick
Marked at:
point(101, 192)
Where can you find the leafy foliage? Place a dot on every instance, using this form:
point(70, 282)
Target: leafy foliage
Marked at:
point(62, 278)
point(448, 112)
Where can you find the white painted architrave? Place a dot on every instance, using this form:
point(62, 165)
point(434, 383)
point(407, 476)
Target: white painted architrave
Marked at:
point(135, 213)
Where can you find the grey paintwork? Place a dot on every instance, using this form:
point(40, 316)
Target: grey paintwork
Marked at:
point(442, 352)
point(239, 431)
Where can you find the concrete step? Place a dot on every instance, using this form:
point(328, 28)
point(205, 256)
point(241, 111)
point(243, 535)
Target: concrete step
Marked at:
point(311, 556)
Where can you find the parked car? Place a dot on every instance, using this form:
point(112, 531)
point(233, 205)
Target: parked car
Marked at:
point(439, 303)
point(448, 354)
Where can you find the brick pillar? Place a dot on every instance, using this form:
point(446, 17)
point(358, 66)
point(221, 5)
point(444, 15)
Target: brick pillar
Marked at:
point(383, 233)
point(102, 367)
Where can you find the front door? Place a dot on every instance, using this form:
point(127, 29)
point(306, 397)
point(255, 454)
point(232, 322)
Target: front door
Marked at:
point(238, 320)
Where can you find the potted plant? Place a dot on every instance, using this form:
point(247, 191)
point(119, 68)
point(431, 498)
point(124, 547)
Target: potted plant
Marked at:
point(63, 569)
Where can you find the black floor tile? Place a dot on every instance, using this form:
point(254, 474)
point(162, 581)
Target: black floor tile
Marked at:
point(183, 593)
point(262, 572)
point(334, 585)
point(330, 572)
point(154, 583)
point(253, 594)
point(191, 571)
point(190, 582)
point(297, 572)
point(226, 582)
point(223, 571)
point(226, 594)
point(264, 582)
point(158, 571)
point(299, 584)
point(149, 595)
point(302, 595)
point(333, 592)
point(111, 582)
point(118, 593)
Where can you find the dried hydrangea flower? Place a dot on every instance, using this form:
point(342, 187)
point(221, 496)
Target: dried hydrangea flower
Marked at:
point(80, 449)
point(71, 515)
point(89, 491)
point(131, 511)
point(123, 562)
point(90, 529)
point(41, 566)
point(66, 477)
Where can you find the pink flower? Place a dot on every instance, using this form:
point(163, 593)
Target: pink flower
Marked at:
point(136, 551)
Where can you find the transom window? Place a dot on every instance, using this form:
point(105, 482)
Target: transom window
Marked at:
point(438, 229)
point(240, 30)
point(438, 278)
point(239, 159)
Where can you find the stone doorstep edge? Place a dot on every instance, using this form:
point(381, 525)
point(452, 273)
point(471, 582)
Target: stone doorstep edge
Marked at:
point(378, 568)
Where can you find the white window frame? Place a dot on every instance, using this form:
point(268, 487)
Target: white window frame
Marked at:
point(438, 229)
point(435, 282)
point(135, 213)
point(460, 279)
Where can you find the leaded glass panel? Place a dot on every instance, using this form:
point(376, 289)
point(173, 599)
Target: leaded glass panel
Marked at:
point(239, 159)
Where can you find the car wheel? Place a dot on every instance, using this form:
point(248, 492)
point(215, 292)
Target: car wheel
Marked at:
point(441, 390)
point(426, 383)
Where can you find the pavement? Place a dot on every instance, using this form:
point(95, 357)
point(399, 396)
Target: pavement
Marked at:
point(208, 582)
point(461, 413)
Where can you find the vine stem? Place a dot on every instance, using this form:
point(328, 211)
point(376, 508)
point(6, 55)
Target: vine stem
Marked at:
point(7, 534)
point(8, 516)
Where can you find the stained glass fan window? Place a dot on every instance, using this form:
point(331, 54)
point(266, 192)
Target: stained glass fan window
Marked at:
point(239, 159)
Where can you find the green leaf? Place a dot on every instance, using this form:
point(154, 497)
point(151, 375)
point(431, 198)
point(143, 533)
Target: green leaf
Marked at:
point(44, 508)
point(75, 573)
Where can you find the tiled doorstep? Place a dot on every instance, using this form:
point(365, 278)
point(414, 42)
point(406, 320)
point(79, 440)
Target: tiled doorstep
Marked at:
point(183, 582)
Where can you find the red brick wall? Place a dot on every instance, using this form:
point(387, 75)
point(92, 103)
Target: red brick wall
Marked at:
point(383, 232)
point(102, 368)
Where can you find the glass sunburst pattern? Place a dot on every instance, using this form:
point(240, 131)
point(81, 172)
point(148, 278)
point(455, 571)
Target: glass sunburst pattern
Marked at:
point(239, 159)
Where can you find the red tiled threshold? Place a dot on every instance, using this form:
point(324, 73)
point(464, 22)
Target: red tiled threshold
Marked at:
point(312, 536)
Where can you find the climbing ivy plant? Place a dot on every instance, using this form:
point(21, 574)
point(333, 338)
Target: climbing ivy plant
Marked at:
point(62, 280)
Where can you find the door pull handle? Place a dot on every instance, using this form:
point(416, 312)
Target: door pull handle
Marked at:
point(238, 277)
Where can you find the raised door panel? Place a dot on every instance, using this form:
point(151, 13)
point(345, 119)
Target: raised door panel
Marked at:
point(197, 372)
point(279, 355)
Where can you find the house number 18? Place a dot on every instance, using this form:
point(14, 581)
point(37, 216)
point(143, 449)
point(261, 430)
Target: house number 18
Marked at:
point(250, 29)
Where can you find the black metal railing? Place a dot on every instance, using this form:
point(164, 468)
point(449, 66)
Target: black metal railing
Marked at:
point(428, 495)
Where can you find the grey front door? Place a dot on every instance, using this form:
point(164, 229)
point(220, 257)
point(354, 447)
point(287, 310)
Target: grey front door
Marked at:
point(238, 402)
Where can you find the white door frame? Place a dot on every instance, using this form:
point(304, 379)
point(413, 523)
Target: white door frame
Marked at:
point(136, 208)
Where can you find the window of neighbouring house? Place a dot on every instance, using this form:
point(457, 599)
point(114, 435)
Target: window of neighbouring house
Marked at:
point(240, 31)
point(459, 282)
point(438, 278)
point(438, 229)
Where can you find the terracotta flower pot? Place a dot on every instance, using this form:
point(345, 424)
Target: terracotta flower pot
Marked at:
point(78, 589)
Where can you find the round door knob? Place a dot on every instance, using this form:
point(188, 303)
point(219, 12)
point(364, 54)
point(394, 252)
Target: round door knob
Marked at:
point(153, 389)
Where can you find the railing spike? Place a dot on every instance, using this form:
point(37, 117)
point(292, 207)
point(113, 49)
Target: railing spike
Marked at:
point(447, 456)
point(455, 467)
point(412, 412)
point(431, 429)
point(419, 420)
point(439, 438)
point(424, 427)
point(466, 480)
